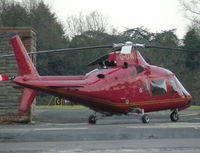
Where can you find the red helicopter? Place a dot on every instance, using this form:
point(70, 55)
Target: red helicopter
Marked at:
point(123, 83)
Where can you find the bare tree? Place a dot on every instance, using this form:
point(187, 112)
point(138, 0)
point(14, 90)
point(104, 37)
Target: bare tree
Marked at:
point(95, 21)
point(192, 10)
point(78, 24)
point(4, 4)
point(75, 25)
point(30, 4)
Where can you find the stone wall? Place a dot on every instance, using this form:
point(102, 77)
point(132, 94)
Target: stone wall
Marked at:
point(9, 96)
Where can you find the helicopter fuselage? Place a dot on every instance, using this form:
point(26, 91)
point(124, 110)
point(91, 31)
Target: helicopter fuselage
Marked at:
point(124, 83)
point(116, 89)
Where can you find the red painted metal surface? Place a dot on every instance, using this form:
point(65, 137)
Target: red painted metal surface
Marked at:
point(24, 63)
point(3, 77)
point(27, 98)
point(119, 88)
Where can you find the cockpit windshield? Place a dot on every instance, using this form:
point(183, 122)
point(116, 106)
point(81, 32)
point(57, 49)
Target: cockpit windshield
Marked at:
point(181, 86)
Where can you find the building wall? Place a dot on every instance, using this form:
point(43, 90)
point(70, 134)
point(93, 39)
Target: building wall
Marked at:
point(10, 93)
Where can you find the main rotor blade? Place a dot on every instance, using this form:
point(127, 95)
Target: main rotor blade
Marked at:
point(175, 49)
point(62, 50)
point(119, 45)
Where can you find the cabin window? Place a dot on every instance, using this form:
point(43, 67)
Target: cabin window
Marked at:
point(173, 86)
point(158, 87)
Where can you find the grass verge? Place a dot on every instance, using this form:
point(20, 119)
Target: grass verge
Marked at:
point(60, 107)
point(194, 107)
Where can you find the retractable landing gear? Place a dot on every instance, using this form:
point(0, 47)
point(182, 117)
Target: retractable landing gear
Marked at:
point(174, 116)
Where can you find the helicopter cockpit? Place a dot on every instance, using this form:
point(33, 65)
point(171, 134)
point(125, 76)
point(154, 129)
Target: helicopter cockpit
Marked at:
point(107, 64)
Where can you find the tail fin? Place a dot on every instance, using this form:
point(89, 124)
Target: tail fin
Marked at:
point(26, 67)
point(24, 62)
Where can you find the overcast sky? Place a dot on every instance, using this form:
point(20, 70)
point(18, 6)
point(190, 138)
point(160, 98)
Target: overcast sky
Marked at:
point(155, 15)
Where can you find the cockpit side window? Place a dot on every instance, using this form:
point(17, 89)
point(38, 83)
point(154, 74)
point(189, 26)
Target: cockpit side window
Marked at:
point(173, 86)
point(158, 87)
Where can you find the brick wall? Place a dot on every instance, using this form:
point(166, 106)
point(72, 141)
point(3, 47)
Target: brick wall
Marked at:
point(9, 96)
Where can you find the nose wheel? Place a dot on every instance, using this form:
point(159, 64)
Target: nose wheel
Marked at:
point(174, 116)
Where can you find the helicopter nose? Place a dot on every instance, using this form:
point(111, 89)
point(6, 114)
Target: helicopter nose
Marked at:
point(187, 101)
point(188, 98)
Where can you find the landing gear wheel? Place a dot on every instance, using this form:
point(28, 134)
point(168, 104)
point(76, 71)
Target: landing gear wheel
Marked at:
point(174, 116)
point(145, 118)
point(92, 119)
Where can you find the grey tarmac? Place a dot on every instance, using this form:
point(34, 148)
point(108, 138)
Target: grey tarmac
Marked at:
point(67, 131)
